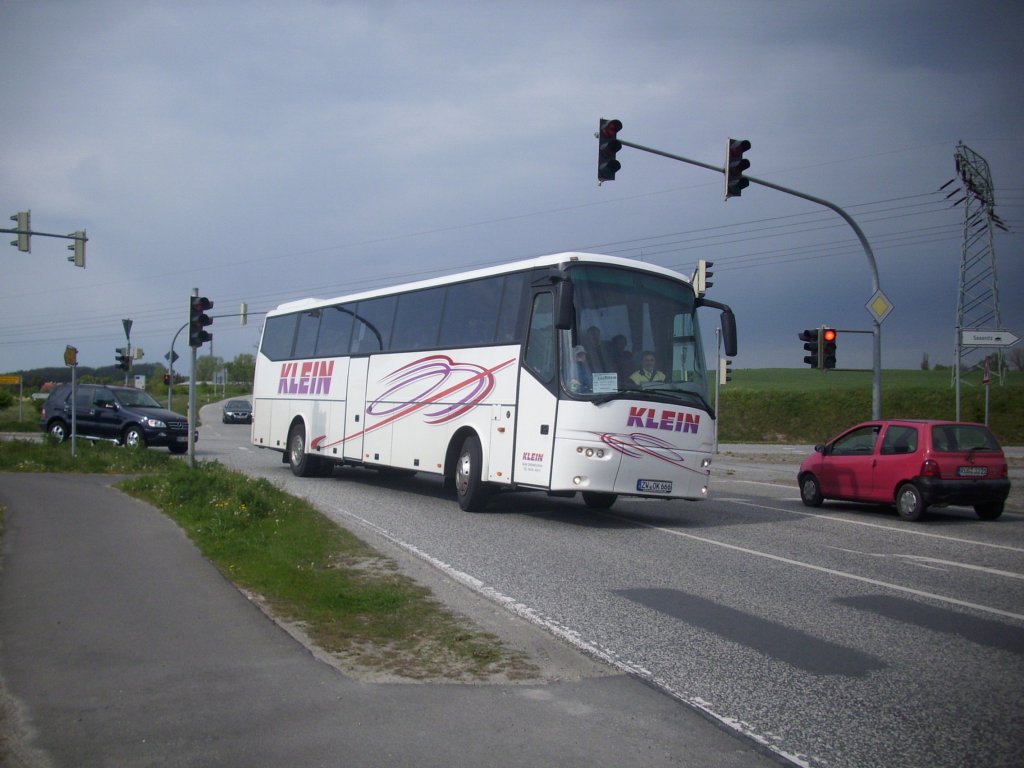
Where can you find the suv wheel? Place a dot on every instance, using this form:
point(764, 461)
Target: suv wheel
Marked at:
point(133, 437)
point(58, 431)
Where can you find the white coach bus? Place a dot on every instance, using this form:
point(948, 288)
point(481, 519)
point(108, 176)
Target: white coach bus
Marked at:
point(567, 373)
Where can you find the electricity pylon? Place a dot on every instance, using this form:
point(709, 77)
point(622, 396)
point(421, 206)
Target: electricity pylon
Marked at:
point(978, 296)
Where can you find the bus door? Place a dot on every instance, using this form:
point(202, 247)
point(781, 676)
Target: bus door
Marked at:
point(538, 402)
point(355, 407)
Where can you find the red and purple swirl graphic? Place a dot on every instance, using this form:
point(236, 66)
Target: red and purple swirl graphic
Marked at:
point(430, 382)
point(435, 381)
point(639, 444)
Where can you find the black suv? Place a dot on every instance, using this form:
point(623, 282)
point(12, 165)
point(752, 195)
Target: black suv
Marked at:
point(120, 414)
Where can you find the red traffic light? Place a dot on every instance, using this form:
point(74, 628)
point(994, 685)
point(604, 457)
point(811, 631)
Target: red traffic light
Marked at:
point(735, 165)
point(828, 334)
point(607, 147)
point(610, 128)
point(737, 147)
point(198, 320)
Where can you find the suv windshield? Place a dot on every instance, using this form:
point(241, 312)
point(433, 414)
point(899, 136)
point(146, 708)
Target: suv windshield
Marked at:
point(137, 398)
point(634, 331)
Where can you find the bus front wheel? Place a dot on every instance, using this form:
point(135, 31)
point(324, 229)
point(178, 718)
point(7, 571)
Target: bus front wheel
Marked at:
point(471, 490)
point(598, 500)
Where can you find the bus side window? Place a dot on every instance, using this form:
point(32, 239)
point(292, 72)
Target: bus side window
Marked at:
point(278, 335)
point(417, 318)
point(470, 313)
point(540, 347)
point(335, 330)
point(513, 303)
point(374, 318)
point(305, 338)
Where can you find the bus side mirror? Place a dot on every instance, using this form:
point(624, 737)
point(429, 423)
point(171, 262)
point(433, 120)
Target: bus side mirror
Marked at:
point(563, 305)
point(729, 332)
point(728, 324)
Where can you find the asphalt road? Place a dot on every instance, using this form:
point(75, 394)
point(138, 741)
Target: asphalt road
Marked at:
point(121, 646)
point(841, 636)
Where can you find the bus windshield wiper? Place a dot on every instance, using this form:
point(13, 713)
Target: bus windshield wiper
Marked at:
point(617, 394)
point(654, 392)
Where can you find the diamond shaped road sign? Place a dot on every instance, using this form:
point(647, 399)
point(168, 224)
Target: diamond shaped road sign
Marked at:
point(879, 306)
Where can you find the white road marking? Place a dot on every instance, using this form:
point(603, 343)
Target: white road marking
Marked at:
point(932, 562)
point(830, 571)
point(908, 530)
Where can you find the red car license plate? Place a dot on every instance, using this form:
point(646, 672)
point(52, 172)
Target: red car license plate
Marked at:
point(972, 471)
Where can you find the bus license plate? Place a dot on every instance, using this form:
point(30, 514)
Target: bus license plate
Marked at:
point(972, 471)
point(654, 486)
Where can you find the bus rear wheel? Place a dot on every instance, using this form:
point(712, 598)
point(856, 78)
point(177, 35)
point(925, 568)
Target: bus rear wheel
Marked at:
point(301, 463)
point(470, 488)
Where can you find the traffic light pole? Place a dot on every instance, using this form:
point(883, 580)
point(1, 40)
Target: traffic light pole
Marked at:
point(192, 402)
point(876, 388)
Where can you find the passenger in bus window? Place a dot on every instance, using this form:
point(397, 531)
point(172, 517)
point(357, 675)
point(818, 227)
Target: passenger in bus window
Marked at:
point(648, 370)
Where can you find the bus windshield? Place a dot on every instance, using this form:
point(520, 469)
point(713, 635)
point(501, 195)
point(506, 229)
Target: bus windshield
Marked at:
point(635, 332)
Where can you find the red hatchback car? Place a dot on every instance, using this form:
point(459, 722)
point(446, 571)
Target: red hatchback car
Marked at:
point(912, 464)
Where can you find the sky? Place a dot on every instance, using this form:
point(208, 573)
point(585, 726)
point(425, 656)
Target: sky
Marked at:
point(264, 152)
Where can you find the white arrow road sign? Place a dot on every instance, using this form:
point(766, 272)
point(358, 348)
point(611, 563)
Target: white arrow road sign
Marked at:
point(988, 338)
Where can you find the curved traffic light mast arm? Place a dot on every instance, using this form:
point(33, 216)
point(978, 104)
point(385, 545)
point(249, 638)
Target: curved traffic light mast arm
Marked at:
point(876, 389)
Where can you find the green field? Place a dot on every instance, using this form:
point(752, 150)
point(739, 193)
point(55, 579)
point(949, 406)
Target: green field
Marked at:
point(773, 405)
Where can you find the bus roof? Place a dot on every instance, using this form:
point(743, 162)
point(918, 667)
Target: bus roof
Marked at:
point(554, 259)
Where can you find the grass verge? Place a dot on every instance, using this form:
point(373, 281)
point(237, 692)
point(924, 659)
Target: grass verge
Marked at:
point(348, 598)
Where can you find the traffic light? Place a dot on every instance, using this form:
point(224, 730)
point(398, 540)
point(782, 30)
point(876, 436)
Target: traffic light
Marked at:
point(23, 222)
point(167, 379)
point(198, 320)
point(79, 248)
point(828, 347)
point(702, 280)
point(607, 146)
point(124, 360)
point(735, 165)
point(812, 342)
point(724, 370)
